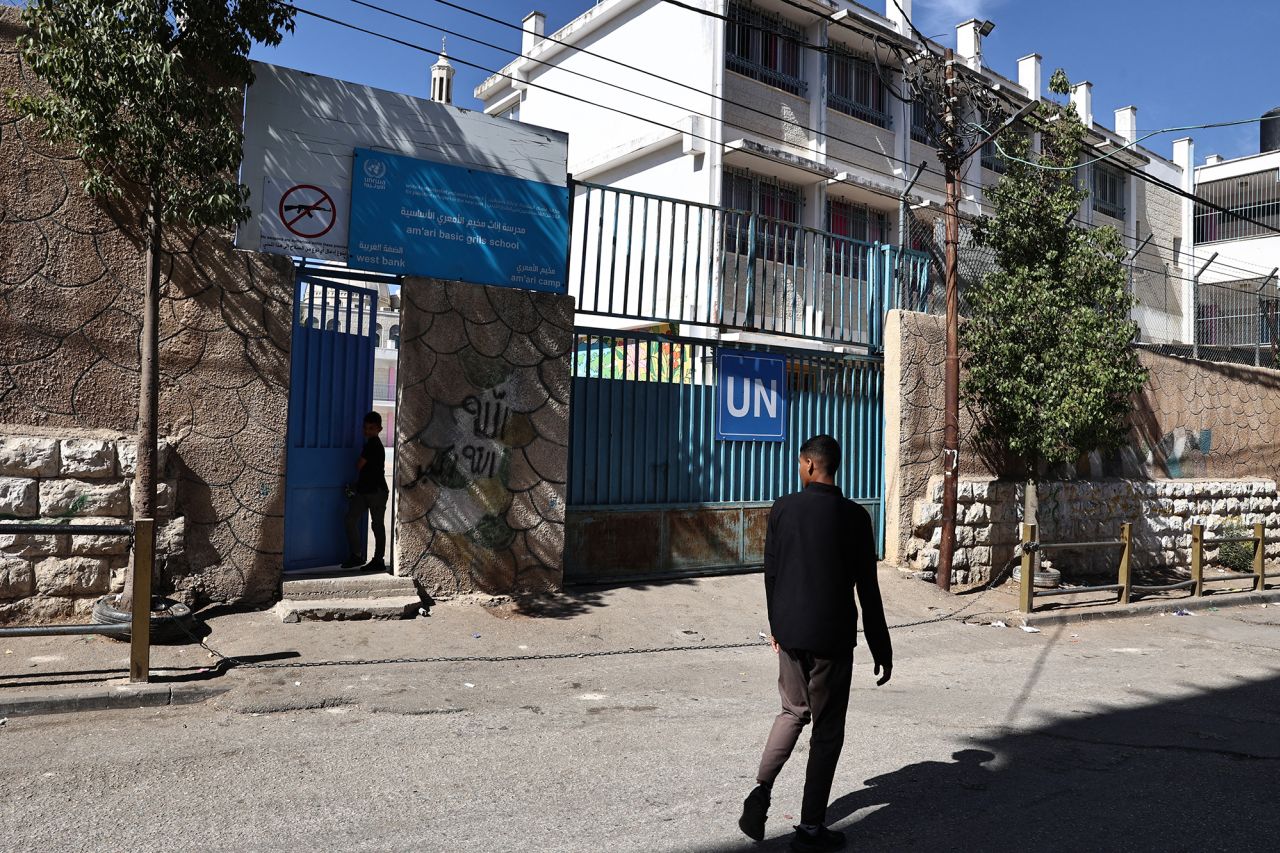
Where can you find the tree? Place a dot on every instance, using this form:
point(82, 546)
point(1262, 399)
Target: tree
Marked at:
point(147, 94)
point(1050, 362)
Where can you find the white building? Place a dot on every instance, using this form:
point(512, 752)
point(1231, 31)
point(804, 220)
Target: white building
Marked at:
point(746, 118)
point(1239, 247)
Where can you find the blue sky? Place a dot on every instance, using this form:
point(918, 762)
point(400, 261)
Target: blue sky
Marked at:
point(1179, 61)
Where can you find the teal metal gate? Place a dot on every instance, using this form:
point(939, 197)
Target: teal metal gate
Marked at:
point(651, 491)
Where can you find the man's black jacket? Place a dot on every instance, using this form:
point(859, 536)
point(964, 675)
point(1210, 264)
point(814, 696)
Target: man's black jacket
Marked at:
point(819, 548)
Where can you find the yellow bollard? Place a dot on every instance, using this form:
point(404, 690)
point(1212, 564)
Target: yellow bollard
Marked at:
point(1259, 553)
point(144, 544)
point(1027, 591)
point(1126, 562)
point(1197, 559)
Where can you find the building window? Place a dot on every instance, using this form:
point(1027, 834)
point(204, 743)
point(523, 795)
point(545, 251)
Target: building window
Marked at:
point(860, 226)
point(513, 113)
point(780, 207)
point(377, 335)
point(857, 221)
point(393, 337)
point(1247, 197)
point(992, 159)
point(764, 47)
point(332, 324)
point(857, 89)
point(920, 122)
point(1108, 190)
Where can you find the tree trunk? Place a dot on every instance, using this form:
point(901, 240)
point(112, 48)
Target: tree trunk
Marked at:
point(144, 479)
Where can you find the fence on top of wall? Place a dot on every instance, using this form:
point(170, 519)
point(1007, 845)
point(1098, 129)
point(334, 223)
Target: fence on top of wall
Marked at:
point(645, 257)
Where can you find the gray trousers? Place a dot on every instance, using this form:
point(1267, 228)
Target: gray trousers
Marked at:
point(375, 504)
point(812, 689)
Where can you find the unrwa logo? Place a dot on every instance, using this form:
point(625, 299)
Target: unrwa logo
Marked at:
point(765, 401)
point(374, 168)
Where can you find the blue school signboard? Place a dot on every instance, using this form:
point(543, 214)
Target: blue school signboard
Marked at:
point(751, 396)
point(415, 217)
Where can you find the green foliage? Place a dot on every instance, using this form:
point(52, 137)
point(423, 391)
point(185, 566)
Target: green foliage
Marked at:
point(1051, 367)
point(147, 93)
point(1059, 84)
point(1236, 556)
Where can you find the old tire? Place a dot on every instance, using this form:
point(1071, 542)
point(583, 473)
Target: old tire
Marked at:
point(168, 618)
point(1047, 579)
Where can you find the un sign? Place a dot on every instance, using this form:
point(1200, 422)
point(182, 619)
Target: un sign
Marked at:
point(751, 396)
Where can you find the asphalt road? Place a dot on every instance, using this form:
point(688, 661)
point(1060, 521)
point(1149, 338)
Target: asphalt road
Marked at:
point(1140, 734)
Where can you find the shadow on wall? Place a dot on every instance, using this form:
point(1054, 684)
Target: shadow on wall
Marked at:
point(71, 275)
point(1162, 774)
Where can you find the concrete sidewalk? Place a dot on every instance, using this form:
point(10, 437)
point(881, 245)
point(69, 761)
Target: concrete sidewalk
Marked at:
point(49, 674)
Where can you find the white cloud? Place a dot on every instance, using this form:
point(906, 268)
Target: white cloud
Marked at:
point(935, 17)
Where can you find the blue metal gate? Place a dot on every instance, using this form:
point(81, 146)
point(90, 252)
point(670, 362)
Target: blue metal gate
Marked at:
point(331, 389)
point(643, 425)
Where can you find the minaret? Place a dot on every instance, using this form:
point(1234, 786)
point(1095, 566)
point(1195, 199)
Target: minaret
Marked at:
point(442, 78)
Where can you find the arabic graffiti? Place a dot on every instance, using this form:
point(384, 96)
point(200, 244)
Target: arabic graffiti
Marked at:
point(483, 451)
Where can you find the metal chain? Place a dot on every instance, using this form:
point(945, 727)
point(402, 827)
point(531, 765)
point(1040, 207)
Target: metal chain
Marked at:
point(234, 661)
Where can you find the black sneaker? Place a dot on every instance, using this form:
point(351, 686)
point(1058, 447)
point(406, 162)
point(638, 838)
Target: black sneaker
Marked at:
point(375, 565)
point(823, 841)
point(755, 809)
point(352, 563)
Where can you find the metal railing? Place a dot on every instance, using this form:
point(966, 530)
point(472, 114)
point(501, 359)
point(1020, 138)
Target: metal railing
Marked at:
point(1030, 545)
point(662, 260)
point(1259, 574)
point(1125, 588)
point(142, 532)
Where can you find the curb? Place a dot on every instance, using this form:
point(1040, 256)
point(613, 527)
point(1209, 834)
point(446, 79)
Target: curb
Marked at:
point(109, 698)
point(1151, 608)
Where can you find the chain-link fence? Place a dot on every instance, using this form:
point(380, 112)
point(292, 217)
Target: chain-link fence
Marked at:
point(928, 235)
point(1237, 320)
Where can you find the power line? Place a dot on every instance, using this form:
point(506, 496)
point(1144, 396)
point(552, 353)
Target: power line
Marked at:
point(588, 101)
point(1130, 144)
point(422, 49)
point(702, 92)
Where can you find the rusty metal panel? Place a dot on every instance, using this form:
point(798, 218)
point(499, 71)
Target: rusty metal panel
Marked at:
point(754, 521)
point(613, 544)
point(704, 538)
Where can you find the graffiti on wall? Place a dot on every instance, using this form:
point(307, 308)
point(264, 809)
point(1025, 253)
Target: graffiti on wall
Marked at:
point(1181, 453)
point(483, 449)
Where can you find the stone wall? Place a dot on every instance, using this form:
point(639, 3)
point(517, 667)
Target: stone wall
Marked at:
point(1193, 421)
point(83, 480)
point(71, 280)
point(483, 434)
point(1161, 511)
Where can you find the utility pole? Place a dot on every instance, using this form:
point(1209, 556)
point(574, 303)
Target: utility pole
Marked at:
point(951, 375)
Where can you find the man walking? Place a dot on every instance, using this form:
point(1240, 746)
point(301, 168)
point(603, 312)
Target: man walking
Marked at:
point(368, 495)
point(819, 548)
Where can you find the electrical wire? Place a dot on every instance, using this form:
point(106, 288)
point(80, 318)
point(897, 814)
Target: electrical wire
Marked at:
point(646, 119)
point(614, 109)
point(1127, 145)
point(912, 164)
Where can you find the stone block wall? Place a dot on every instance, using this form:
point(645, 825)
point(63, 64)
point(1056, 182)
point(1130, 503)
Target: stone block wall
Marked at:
point(71, 282)
point(482, 438)
point(82, 480)
point(989, 517)
point(1194, 421)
